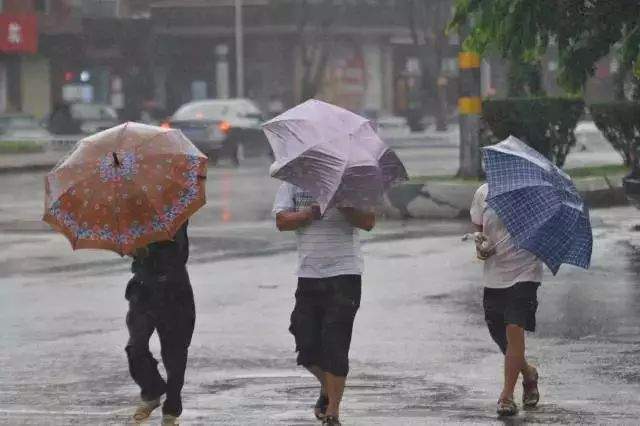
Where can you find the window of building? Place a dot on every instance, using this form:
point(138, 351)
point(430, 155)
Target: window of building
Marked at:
point(42, 6)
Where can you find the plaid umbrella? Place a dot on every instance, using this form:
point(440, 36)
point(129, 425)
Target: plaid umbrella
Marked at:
point(333, 154)
point(125, 187)
point(538, 204)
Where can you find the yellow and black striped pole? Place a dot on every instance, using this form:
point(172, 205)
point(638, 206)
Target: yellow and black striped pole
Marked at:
point(469, 109)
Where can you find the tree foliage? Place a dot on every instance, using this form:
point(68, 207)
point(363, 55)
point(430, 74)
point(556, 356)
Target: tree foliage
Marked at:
point(546, 124)
point(619, 122)
point(584, 31)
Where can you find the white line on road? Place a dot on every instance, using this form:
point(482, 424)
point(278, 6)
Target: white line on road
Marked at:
point(68, 413)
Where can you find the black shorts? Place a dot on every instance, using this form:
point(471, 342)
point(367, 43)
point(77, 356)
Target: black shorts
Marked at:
point(515, 305)
point(322, 321)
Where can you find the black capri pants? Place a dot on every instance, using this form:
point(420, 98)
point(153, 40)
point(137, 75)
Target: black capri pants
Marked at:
point(516, 305)
point(322, 321)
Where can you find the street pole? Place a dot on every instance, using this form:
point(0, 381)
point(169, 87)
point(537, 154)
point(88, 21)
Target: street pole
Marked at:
point(469, 109)
point(239, 50)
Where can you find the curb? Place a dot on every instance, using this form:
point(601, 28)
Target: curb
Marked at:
point(26, 168)
point(452, 199)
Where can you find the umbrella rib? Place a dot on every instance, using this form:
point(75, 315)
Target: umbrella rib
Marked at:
point(116, 205)
point(344, 169)
point(90, 202)
point(350, 133)
point(116, 209)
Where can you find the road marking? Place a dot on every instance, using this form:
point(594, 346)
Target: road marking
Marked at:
point(68, 412)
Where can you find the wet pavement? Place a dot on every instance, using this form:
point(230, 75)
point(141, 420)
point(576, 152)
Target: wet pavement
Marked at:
point(420, 352)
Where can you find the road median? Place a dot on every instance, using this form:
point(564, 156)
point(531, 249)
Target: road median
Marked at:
point(449, 198)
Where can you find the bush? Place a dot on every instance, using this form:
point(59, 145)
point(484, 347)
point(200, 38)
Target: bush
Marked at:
point(619, 122)
point(546, 124)
point(20, 147)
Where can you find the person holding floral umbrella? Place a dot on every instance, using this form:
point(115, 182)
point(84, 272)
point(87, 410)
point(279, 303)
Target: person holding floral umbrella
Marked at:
point(131, 189)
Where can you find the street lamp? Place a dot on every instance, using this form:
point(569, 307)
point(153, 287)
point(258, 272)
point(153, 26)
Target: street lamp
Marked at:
point(239, 50)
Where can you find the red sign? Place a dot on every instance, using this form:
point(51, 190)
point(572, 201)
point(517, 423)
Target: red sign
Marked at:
point(18, 34)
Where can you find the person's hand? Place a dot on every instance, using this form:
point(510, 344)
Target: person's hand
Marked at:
point(315, 212)
point(311, 213)
point(481, 254)
point(483, 246)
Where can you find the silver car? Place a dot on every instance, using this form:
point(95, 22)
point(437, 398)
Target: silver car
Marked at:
point(93, 118)
point(218, 126)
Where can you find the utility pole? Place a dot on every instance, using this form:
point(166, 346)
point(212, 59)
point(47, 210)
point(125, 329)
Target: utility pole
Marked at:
point(469, 108)
point(239, 50)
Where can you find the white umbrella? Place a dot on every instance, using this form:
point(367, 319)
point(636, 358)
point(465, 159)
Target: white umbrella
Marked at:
point(333, 154)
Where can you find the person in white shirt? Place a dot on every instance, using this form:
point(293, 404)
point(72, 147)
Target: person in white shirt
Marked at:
point(329, 273)
point(511, 279)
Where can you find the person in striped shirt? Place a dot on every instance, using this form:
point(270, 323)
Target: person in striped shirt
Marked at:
point(330, 267)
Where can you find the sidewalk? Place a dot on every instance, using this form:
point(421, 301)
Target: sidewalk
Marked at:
point(591, 149)
point(451, 199)
point(13, 163)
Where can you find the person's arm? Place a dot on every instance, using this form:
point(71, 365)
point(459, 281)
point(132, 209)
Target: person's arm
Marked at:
point(477, 209)
point(290, 221)
point(477, 213)
point(363, 220)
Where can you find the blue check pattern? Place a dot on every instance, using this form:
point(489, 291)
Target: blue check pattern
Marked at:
point(541, 209)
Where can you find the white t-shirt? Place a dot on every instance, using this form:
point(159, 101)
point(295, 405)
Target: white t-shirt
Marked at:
point(509, 265)
point(327, 247)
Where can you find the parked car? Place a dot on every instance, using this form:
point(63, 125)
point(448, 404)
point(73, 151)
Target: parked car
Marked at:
point(218, 126)
point(19, 127)
point(93, 118)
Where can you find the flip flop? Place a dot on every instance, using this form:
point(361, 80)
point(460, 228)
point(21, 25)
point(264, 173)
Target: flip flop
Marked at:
point(331, 421)
point(320, 408)
point(506, 408)
point(144, 410)
point(530, 392)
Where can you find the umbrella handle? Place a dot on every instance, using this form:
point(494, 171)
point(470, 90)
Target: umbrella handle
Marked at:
point(501, 241)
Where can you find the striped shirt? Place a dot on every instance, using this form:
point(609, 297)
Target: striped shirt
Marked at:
point(327, 247)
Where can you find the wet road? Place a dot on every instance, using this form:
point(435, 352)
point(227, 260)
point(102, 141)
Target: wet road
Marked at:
point(420, 353)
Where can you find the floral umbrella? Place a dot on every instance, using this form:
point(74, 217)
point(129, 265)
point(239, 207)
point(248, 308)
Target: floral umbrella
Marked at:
point(125, 187)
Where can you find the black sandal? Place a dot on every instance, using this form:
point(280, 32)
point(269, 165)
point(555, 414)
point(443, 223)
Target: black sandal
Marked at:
point(507, 408)
point(320, 408)
point(331, 421)
point(530, 392)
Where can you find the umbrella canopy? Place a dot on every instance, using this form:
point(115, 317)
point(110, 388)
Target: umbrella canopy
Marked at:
point(125, 187)
point(333, 153)
point(538, 204)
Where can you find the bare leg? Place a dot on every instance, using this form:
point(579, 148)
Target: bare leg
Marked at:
point(528, 372)
point(335, 389)
point(514, 360)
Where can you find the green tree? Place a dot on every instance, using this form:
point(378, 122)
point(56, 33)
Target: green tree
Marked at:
point(584, 31)
point(519, 30)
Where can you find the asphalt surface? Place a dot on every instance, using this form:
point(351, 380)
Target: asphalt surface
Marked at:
point(420, 354)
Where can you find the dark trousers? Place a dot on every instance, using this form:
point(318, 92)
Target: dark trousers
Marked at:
point(169, 310)
point(322, 321)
